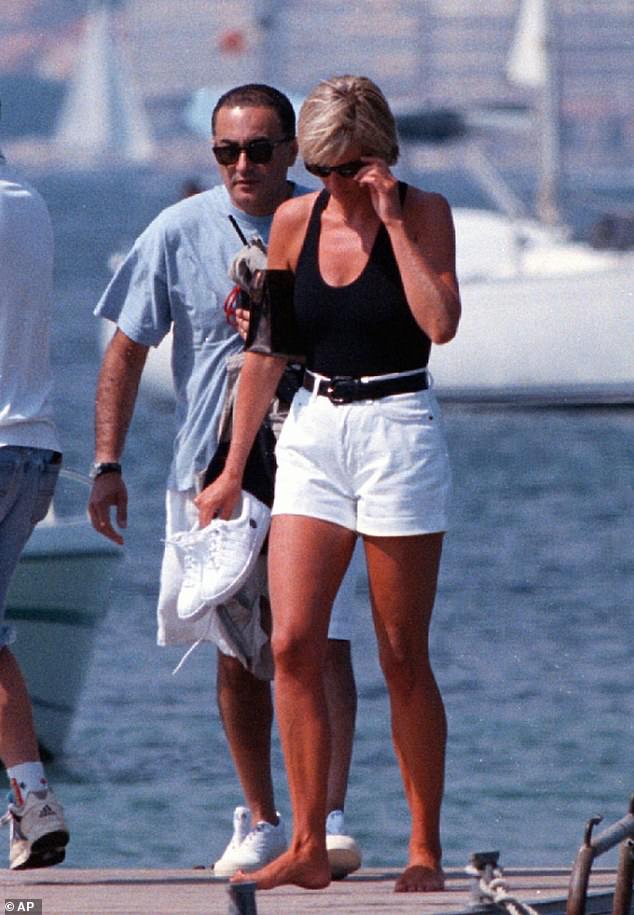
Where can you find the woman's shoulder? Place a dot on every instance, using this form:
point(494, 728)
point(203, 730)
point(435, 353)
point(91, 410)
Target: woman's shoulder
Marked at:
point(418, 198)
point(296, 209)
point(289, 228)
point(425, 209)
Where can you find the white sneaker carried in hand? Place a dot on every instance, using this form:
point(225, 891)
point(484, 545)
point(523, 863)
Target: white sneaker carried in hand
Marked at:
point(38, 832)
point(219, 559)
point(261, 844)
point(192, 545)
point(344, 855)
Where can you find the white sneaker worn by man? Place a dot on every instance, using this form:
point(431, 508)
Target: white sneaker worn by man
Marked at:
point(220, 558)
point(250, 849)
point(344, 855)
point(241, 827)
point(38, 832)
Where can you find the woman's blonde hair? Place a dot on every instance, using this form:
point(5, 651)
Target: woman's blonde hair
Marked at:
point(346, 111)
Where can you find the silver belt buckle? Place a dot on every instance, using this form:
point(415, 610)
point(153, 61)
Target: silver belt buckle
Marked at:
point(341, 389)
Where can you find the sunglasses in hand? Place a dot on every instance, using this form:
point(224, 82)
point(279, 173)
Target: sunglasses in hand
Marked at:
point(257, 151)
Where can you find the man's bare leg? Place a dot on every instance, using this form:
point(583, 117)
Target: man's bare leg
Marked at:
point(246, 710)
point(18, 742)
point(341, 700)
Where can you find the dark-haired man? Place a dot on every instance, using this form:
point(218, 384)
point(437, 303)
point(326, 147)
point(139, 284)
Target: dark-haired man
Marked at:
point(176, 277)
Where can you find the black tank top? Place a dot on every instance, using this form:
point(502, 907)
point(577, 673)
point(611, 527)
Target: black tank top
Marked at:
point(364, 328)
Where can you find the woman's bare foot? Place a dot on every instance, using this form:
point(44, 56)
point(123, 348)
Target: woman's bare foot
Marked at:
point(417, 878)
point(309, 870)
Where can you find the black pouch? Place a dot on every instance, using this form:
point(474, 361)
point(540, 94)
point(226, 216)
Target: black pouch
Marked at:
point(259, 473)
point(272, 325)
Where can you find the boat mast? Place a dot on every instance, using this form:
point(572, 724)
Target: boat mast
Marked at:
point(550, 121)
point(268, 16)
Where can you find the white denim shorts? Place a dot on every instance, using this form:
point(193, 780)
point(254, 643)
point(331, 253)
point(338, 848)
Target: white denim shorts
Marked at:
point(379, 467)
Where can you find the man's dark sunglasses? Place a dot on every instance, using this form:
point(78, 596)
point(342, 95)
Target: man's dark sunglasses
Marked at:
point(347, 170)
point(258, 151)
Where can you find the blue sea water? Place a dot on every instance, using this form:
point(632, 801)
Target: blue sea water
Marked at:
point(532, 640)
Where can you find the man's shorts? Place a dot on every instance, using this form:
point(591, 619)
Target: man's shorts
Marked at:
point(378, 467)
point(27, 483)
point(181, 515)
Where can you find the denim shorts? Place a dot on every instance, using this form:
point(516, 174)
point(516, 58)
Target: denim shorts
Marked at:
point(379, 467)
point(27, 482)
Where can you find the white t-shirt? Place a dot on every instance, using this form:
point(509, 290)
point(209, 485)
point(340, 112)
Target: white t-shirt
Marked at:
point(26, 285)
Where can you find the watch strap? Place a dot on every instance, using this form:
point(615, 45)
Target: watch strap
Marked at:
point(100, 467)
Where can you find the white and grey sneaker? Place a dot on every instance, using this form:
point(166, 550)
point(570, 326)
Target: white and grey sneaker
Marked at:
point(344, 855)
point(39, 834)
point(261, 844)
point(219, 558)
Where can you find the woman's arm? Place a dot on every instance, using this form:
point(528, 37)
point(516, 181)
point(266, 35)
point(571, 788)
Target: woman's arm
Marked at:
point(258, 380)
point(259, 376)
point(423, 240)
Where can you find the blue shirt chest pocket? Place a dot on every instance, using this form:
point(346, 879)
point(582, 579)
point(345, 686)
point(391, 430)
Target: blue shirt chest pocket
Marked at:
point(207, 320)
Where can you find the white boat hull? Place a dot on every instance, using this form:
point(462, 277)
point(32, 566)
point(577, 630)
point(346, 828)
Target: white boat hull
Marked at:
point(544, 339)
point(58, 598)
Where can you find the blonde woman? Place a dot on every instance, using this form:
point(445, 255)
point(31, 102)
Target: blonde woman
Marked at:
point(361, 455)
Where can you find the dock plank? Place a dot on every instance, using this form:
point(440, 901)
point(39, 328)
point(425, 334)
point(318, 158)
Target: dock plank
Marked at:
point(66, 891)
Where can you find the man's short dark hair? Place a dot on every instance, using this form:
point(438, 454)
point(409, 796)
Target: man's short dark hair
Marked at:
point(258, 95)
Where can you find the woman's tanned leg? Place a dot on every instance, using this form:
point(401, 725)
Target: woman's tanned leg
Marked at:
point(307, 560)
point(403, 574)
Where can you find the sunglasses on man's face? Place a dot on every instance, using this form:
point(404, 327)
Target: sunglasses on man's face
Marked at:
point(257, 151)
point(347, 170)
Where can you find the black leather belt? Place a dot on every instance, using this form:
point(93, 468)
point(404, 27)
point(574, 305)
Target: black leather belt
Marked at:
point(344, 388)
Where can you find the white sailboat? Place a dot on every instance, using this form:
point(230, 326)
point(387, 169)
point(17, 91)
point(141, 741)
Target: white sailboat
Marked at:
point(526, 64)
point(103, 118)
point(545, 319)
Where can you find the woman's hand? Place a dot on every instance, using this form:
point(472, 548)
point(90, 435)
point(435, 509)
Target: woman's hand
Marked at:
point(383, 187)
point(219, 499)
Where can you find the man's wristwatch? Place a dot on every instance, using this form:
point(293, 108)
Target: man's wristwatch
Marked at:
point(100, 467)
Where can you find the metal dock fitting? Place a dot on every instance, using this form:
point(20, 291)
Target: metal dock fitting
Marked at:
point(620, 832)
point(242, 899)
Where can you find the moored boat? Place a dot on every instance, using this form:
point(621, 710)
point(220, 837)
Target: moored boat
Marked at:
point(545, 319)
point(58, 598)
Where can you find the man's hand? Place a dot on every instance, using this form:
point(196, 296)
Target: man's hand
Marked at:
point(109, 491)
point(242, 321)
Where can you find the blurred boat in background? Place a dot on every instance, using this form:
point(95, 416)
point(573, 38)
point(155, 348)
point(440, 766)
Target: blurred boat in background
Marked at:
point(545, 319)
point(103, 118)
point(58, 598)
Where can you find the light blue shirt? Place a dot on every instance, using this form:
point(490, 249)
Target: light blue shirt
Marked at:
point(176, 275)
